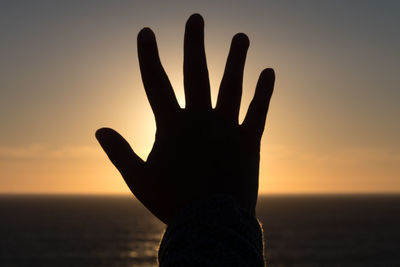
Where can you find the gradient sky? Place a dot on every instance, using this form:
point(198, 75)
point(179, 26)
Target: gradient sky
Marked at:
point(70, 67)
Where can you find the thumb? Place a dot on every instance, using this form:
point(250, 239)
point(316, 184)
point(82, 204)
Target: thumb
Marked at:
point(121, 155)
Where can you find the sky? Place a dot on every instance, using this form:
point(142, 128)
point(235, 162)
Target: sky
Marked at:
point(68, 68)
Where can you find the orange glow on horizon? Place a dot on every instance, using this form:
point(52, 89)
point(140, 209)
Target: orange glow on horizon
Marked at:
point(332, 124)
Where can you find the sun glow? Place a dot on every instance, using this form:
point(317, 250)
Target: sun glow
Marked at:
point(333, 120)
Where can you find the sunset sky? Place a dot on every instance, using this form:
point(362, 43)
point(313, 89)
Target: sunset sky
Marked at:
point(68, 68)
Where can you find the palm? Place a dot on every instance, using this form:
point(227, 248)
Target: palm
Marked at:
point(198, 151)
point(194, 157)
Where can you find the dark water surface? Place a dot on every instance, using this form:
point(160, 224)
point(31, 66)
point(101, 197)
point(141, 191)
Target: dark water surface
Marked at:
point(117, 231)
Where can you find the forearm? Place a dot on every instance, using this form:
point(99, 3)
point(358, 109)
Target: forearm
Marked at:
point(213, 232)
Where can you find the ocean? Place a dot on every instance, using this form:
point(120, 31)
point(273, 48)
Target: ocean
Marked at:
point(314, 230)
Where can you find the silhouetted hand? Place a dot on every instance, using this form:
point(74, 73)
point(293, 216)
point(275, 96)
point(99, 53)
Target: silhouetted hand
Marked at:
point(198, 151)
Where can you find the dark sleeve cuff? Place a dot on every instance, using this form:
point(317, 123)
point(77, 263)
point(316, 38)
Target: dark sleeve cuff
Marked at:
point(212, 232)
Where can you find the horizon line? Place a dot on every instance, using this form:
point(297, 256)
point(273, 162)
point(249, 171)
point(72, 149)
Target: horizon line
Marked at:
point(107, 194)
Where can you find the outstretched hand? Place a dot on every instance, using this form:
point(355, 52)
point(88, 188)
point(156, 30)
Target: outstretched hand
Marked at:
point(198, 151)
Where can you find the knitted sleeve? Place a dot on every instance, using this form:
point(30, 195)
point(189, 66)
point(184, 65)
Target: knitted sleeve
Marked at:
point(212, 232)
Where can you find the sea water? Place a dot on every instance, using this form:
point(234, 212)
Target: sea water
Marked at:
point(314, 230)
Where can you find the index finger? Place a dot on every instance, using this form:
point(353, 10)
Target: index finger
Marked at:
point(156, 83)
